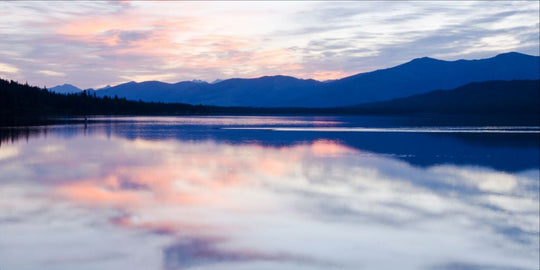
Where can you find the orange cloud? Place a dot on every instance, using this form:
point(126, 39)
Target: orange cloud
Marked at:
point(159, 227)
point(92, 193)
point(188, 176)
point(325, 148)
point(324, 75)
point(169, 47)
point(172, 43)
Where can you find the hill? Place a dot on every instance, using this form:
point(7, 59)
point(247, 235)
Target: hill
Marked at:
point(415, 77)
point(65, 89)
point(517, 99)
point(25, 104)
point(426, 74)
point(268, 91)
point(492, 97)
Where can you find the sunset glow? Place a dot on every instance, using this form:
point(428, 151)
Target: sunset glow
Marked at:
point(91, 44)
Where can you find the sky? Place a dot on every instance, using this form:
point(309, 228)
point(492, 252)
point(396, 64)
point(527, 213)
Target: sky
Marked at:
point(93, 44)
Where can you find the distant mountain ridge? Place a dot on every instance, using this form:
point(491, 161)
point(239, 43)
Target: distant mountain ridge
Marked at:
point(426, 74)
point(418, 76)
point(515, 102)
point(65, 89)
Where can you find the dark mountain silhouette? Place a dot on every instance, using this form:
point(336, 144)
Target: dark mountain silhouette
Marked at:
point(268, 91)
point(155, 91)
point(415, 77)
point(22, 104)
point(492, 97)
point(510, 102)
point(65, 89)
point(426, 74)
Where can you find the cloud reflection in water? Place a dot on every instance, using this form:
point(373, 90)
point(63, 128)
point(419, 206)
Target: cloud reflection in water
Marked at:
point(98, 202)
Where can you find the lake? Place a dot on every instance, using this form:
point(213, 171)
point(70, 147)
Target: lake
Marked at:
point(269, 193)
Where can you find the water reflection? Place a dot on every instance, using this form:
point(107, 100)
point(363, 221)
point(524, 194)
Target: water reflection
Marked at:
point(487, 146)
point(102, 200)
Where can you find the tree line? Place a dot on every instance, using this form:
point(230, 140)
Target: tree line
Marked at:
point(24, 102)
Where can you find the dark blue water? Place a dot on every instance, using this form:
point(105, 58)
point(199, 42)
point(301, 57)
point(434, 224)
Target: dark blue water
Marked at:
point(269, 193)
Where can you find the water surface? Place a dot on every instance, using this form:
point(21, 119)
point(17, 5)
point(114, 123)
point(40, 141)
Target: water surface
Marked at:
point(268, 193)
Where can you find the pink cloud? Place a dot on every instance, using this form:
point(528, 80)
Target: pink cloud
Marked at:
point(325, 148)
point(194, 179)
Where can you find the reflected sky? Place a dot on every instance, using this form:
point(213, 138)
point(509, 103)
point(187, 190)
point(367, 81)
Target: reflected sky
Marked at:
point(72, 198)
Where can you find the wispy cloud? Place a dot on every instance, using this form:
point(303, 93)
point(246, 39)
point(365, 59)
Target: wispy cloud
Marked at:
point(51, 73)
point(7, 68)
point(202, 203)
point(95, 43)
point(191, 252)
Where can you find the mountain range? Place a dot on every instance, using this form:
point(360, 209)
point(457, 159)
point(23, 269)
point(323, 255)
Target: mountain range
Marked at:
point(65, 89)
point(418, 76)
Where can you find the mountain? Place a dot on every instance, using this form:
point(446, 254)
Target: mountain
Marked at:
point(155, 91)
point(65, 89)
point(268, 91)
point(415, 77)
point(199, 81)
point(513, 102)
point(423, 75)
point(492, 97)
point(22, 104)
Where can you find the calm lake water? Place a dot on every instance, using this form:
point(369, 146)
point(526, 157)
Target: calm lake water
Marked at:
point(269, 193)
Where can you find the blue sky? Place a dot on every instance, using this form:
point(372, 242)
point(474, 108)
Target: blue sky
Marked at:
point(92, 44)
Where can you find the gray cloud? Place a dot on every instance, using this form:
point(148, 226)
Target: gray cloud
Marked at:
point(338, 37)
point(128, 36)
point(199, 251)
point(472, 266)
point(466, 26)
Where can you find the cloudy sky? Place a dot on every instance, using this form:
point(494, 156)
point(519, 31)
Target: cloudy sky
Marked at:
point(92, 44)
